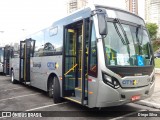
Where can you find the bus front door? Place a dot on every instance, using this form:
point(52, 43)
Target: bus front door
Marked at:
point(26, 51)
point(74, 83)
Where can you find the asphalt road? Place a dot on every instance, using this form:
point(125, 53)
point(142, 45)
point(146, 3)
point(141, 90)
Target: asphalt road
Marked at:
point(19, 97)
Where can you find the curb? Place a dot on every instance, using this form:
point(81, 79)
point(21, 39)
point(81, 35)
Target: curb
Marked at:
point(149, 104)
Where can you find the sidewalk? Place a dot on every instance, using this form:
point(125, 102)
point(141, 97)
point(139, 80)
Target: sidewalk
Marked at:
point(154, 100)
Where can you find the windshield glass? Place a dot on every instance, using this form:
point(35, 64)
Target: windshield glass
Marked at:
point(137, 51)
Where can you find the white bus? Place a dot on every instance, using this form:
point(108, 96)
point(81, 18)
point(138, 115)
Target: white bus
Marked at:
point(97, 56)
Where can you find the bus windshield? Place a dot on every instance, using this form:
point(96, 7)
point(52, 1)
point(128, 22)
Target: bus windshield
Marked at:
point(130, 49)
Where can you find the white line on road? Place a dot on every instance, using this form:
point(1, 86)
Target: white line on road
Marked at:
point(11, 89)
point(5, 84)
point(5, 80)
point(45, 106)
point(126, 115)
point(19, 97)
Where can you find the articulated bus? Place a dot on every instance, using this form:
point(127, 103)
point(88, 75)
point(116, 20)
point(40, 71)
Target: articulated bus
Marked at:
point(98, 56)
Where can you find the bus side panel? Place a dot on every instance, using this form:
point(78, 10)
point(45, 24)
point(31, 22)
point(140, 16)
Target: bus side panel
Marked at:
point(51, 64)
point(36, 75)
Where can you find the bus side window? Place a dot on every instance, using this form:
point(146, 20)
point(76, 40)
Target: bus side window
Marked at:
point(39, 44)
point(93, 55)
point(48, 49)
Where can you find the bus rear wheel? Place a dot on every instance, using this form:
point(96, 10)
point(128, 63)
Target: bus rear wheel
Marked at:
point(56, 90)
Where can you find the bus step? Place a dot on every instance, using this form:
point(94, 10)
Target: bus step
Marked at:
point(79, 89)
point(75, 78)
point(78, 92)
point(27, 83)
point(74, 99)
point(68, 76)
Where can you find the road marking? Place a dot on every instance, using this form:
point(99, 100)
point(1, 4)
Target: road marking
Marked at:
point(18, 97)
point(5, 84)
point(11, 89)
point(5, 80)
point(45, 106)
point(126, 115)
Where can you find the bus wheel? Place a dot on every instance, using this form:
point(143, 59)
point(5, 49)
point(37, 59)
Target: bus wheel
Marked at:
point(12, 78)
point(56, 89)
point(50, 89)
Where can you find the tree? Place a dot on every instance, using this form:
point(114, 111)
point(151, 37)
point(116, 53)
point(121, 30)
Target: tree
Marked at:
point(152, 28)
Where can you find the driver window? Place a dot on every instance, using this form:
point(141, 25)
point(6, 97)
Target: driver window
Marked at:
point(93, 55)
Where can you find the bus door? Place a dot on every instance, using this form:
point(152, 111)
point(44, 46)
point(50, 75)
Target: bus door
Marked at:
point(6, 65)
point(26, 51)
point(74, 83)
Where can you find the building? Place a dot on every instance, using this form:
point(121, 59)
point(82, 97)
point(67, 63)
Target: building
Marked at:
point(132, 6)
point(147, 9)
point(153, 13)
point(75, 5)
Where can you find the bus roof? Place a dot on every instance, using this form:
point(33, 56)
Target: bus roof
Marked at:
point(86, 12)
point(117, 9)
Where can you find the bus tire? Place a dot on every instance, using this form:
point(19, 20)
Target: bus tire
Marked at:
point(12, 78)
point(56, 91)
point(50, 87)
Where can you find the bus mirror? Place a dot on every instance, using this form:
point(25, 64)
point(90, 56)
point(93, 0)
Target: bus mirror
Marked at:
point(102, 21)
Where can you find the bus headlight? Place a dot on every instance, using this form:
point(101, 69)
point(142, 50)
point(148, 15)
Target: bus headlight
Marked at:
point(111, 81)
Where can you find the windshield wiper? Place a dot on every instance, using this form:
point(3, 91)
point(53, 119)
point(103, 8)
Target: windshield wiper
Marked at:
point(124, 32)
point(119, 34)
point(124, 41)
point(141, 38)
point(150, 52)
point(141, 33)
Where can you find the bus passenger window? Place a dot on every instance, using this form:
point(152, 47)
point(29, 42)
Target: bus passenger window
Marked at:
point(48, 49)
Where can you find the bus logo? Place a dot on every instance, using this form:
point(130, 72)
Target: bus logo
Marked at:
point(52, 65)
point(140, 61)
point(130, 82)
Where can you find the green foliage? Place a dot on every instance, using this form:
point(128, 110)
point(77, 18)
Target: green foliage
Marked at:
point(157, 62)
point(156, 45)
point(152, 28)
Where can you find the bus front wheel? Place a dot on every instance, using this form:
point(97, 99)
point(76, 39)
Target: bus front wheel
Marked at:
point(50, 90)
point(56, 91)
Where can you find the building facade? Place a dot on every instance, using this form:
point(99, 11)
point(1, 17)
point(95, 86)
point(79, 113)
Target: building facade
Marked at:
point(153, 13)
point(132, 6)
point(73, 5)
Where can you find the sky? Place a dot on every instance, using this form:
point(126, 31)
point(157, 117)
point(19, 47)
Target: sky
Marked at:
point(19, 18)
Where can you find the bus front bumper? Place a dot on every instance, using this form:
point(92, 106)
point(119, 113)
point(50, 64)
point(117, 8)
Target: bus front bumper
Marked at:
point(114, 97)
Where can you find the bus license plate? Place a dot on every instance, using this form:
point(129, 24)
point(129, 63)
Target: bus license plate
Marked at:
point(136, 97)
